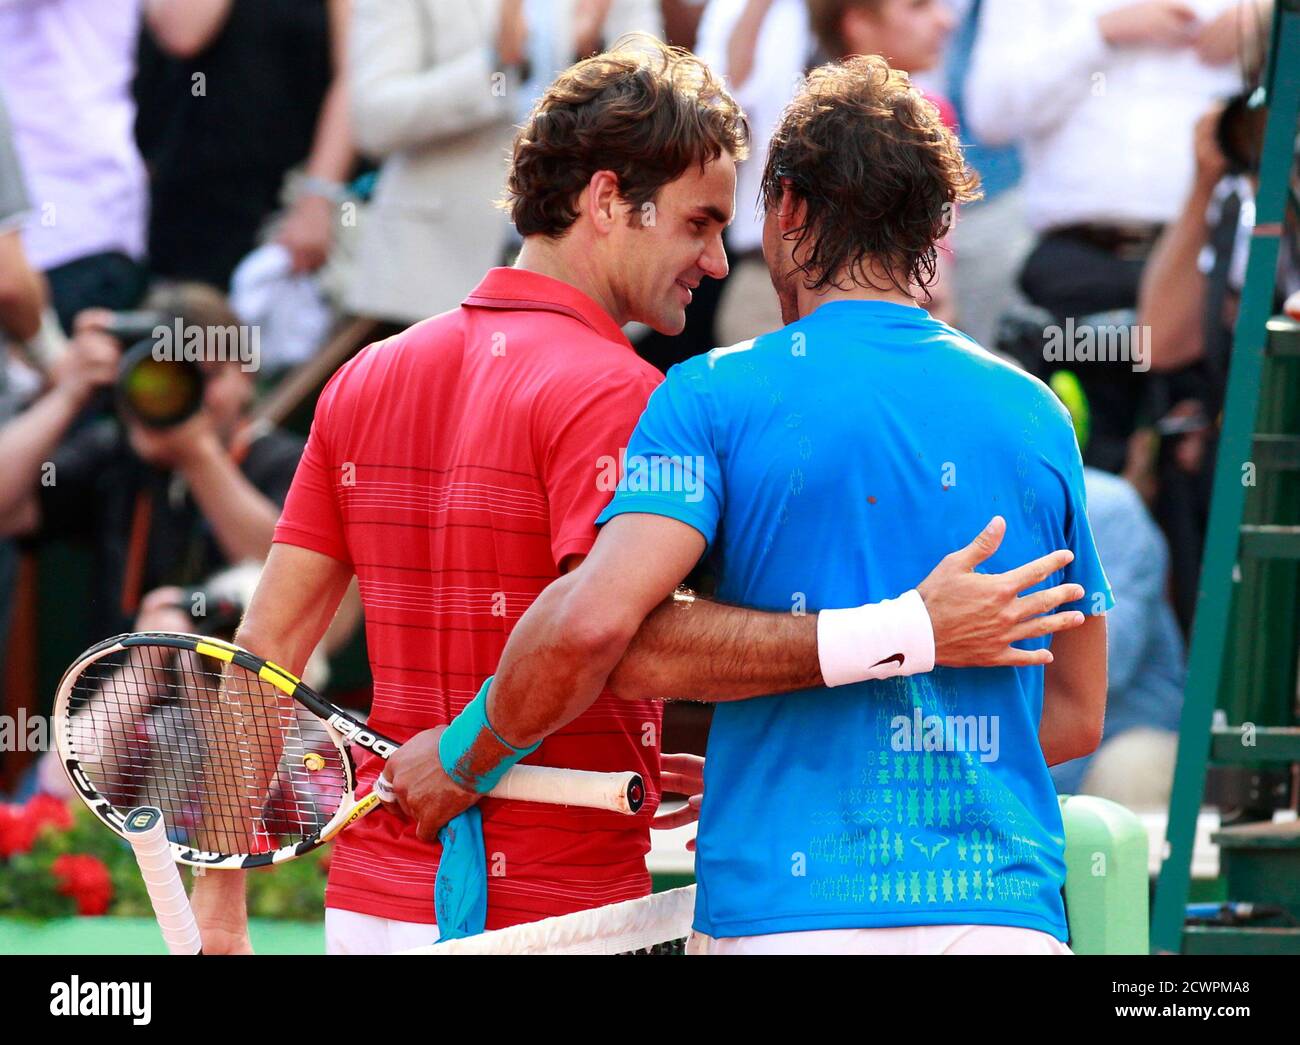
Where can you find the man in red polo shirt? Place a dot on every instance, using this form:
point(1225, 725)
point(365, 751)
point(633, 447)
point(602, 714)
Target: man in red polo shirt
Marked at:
point(457, 469)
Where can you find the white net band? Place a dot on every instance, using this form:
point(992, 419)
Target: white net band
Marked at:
point(620, 928)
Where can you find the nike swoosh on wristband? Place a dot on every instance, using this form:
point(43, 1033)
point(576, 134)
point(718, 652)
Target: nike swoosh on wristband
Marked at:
point(897, 658)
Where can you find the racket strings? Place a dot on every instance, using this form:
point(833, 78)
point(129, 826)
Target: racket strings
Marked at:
point(236, 766)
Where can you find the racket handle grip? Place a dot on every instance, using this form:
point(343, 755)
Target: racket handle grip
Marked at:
point(147, 833)
point(616, 792)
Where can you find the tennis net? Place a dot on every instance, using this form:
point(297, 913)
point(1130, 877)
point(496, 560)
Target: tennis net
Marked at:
point(655, 924)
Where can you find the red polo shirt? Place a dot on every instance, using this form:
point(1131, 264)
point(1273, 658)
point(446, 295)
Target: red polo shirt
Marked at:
point(453, 467)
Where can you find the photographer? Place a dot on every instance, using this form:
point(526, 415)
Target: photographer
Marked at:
point(161, 505)
point(1188, 300)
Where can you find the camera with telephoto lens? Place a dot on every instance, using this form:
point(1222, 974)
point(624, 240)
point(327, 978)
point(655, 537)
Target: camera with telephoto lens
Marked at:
point(156, 387)
point(1240, 134)
point(213, 611)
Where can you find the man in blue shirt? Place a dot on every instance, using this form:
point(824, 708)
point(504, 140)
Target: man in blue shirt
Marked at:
point(818, 467)
point(846, 447)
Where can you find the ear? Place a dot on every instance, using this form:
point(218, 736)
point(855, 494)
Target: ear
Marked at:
point(791, 210)
point(603, 200)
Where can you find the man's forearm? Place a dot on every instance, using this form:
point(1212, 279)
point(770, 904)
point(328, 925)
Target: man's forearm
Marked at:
point(554, 666)
point(1074, 694)
point(1170, 299)
point(28, 441)
point(243, 518)
point(690, 648)
point(219, 900)
point(694, 649)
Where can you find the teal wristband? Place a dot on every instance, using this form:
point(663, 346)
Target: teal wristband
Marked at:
point(460, 735)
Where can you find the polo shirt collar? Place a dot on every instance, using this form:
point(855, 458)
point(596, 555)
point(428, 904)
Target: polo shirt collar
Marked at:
point(521, 290)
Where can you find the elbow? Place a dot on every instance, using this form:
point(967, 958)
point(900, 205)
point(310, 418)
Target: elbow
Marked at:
point(1086, 735)
point(370, 123)
point(1168, 354)
point(991, 133)
point(986, 117)
point(1089, 738)
point(595, 639)
point(178, 39)
point(1171, 338)
point(184, 47)
point(591, 633)
point(20, 301)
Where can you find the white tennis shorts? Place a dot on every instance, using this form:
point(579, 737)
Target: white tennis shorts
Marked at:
point(908, 939)
point(347, 932)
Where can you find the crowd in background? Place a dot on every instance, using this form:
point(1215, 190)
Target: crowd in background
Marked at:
point(295, 166)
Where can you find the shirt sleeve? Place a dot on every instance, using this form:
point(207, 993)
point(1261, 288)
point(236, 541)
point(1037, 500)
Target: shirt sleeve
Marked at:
point(312, 516)
point(580, 444)
point(81, 462)
point(672, 464)
point(13, 195)
point(1086, 569)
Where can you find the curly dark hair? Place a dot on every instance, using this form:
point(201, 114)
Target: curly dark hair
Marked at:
point(644, 110)
point(878, 170)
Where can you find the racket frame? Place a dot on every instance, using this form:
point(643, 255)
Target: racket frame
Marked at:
point(341, 728)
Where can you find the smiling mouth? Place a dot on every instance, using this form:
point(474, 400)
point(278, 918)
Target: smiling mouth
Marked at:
point(690, 291)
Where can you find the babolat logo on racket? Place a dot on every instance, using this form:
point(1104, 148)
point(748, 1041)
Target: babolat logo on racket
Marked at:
point(202, 856)
point(357, 735)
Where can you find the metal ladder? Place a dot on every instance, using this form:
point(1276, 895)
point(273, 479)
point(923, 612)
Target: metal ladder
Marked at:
point(1247, 625)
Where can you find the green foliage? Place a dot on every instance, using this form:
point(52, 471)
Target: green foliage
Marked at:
point(29, 888)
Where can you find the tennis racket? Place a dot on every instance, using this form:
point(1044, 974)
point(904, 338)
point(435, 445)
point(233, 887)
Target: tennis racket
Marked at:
point(248, 765)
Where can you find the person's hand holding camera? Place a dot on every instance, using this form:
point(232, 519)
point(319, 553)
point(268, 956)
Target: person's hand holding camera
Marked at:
point(90, 362)
point(163, 610)
point(1211, 164)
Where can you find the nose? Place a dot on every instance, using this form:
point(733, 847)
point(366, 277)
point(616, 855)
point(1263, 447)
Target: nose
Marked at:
point(713, 262)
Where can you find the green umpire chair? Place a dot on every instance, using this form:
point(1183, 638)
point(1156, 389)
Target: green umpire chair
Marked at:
point(1106, 878)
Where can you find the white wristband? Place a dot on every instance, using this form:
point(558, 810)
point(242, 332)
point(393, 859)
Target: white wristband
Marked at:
point(877, 641)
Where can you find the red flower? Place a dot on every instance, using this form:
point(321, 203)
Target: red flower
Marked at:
point(46, 809)
point(17, 831)
point(86, 880)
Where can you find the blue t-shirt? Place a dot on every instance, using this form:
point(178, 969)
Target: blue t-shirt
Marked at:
point(829, 464)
